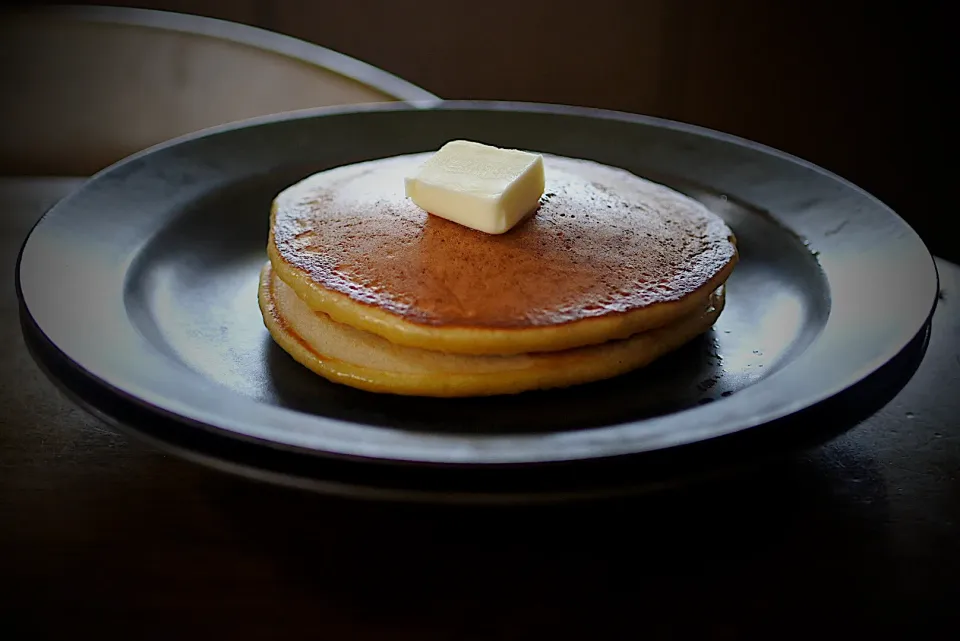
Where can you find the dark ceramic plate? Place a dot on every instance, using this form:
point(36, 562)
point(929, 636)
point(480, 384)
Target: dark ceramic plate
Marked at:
point(141, 288)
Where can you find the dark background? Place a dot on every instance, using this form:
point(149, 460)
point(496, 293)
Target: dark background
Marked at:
point(857, 539)
point(856, 87)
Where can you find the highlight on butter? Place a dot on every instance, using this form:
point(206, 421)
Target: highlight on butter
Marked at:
point(478, 186)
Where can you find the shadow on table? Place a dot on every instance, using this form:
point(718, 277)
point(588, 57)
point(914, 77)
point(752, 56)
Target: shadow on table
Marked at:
point(790, 544)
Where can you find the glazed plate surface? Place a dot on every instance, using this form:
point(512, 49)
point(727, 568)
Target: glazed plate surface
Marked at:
point(138, 294)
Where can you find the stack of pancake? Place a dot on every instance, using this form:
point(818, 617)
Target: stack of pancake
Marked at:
point(609, 273)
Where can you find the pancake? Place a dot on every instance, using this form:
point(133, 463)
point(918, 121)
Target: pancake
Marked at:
point(350, 356)
point(606, 255)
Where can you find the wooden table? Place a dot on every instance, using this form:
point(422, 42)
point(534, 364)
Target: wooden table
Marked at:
point(106, 536)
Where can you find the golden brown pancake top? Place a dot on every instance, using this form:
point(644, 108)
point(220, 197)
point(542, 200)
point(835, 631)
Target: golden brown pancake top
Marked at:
point(602, 241)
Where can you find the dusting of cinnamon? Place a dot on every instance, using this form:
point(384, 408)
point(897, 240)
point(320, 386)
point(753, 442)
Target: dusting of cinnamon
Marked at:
point(603, 241)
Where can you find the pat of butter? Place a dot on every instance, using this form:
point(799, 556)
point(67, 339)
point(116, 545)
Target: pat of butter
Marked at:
point(479, 186)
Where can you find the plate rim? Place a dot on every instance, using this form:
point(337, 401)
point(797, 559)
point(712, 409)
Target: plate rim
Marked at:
point(330, 484)
point(353, 69)
point(212, 422)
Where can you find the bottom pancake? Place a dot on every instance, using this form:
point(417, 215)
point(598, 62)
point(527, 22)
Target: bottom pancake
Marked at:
point(353, 357)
